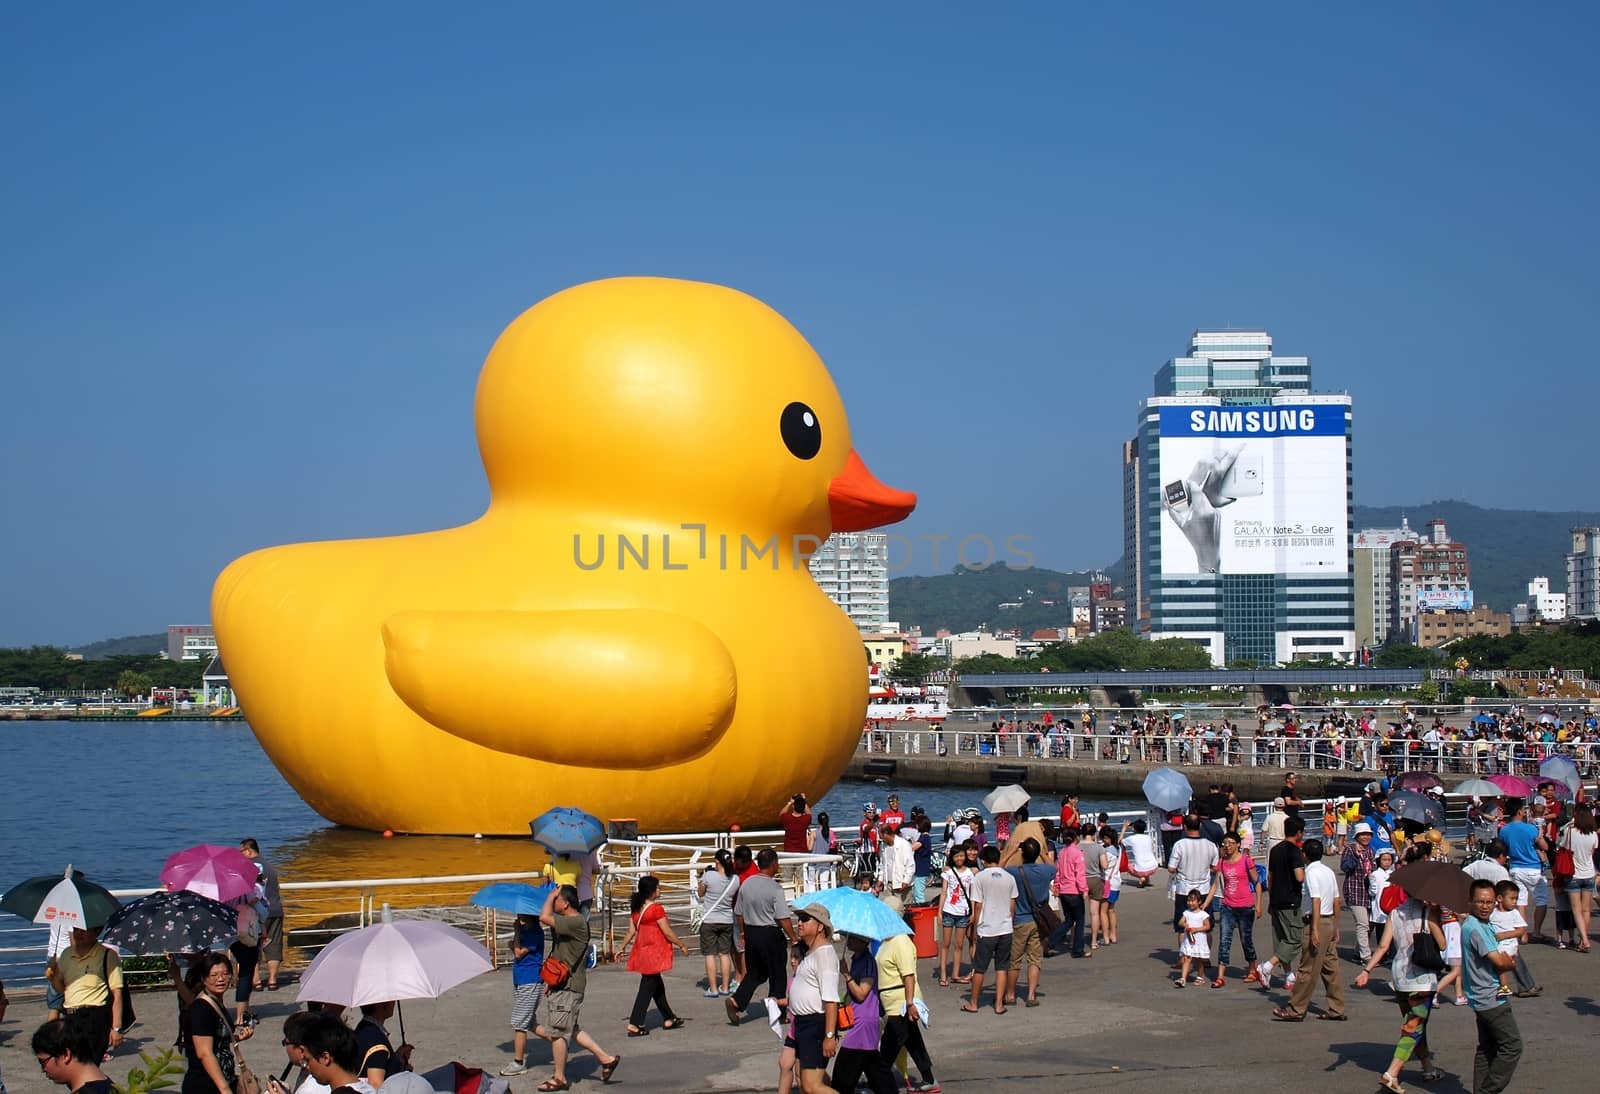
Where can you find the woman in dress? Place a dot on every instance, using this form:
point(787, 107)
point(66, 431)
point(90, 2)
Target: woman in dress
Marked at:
point(209, 1036)
point(718, 888)
point(1414, 988)
point(653, 939)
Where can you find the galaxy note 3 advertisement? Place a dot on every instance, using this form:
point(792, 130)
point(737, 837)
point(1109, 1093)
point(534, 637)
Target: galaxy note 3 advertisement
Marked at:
point(1253, 490)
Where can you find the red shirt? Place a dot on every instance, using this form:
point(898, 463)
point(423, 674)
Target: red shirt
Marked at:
point(1069, 816)
point(794, 830)
point(893, 818)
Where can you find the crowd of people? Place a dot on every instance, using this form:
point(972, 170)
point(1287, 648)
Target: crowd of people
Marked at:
point(1005, 903)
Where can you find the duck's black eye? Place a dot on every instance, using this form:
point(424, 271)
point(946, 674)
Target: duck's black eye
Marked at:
point(802, 433)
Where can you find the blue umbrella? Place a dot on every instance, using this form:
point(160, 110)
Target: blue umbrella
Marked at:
point(1561, 769)
point(513, 896)
point(567, 831)
point(1168, 790)
point(857, 912)
point(1484, 720)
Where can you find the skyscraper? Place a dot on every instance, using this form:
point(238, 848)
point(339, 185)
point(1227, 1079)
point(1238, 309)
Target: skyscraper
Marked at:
point(1237, 500)
point(1374, 594)
point(1583, 575)
point(853, 569)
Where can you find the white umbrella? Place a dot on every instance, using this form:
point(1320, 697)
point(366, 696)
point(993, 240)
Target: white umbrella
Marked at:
point(1006, 799)
point(393, 960)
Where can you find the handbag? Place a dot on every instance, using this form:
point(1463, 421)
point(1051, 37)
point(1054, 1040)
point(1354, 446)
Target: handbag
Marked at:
point(244, 1080)
point(1564, 866)
point(697, 914)
point(1425, 952)
point(1044, 918)
point(554, 973)
point(847, 1017)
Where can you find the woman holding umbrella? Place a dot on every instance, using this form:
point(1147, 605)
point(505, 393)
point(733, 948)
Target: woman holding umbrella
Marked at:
point(208, 1036)
point(1413, 986)
point(859, 1047)
point(653, 939)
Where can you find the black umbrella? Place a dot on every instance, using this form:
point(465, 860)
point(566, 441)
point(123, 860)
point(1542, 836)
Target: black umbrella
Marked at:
point(1413, 805)
point(1440, 883)
point(96, 904)
point(172, 922)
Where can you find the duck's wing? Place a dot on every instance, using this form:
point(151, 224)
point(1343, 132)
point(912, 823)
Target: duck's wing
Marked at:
point(627, 689)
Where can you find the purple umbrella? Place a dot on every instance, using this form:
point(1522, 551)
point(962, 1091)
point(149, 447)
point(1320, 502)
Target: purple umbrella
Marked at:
point(1513, 785)
point(1416, 780)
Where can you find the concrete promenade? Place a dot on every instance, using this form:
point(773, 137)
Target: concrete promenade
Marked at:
point(1113, 1021)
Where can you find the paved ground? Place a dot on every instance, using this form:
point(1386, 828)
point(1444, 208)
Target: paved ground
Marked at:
point(1113, 1020)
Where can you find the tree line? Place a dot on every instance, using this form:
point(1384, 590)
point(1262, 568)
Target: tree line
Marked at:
point(50, 669)
point(1573, 646)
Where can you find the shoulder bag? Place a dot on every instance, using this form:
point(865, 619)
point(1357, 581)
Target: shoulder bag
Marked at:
point(1425, 952)
point(244, 1080)
point(697, 915)
point(1044, 918)
point(1564, 867)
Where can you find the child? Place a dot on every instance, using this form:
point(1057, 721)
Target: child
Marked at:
point(1111, 861)
point(955, 915)
point(1196, 939)
point(1509, 927)
point(1452, 959)
point(788, 1056)
point(1377, 882)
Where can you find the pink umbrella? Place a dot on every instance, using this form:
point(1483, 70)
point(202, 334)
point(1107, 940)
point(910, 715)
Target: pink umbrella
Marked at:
point(221, 873)
point(1513, 785)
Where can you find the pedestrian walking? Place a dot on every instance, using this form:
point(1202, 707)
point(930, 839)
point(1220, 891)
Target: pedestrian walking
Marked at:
point(564, 999)
point(1499, 1040)
point(1414, 988)
point(527, 988)
point(651, 935)
point(1319, 952)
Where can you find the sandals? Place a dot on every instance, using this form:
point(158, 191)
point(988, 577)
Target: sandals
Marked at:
point(1282, 1014)
point(944, 981)
point(554, 1084)
point(1431, 1075)
point(606, 1070)
point(1325, 1017)
point(673, 1023)
point(1389, 1083)
point(632, 1032)
point(967, 1008)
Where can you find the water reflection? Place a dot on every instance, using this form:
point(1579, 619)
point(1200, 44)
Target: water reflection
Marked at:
point(335, 853)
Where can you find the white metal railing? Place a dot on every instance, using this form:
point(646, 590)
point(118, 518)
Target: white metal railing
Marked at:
point(1462, 757)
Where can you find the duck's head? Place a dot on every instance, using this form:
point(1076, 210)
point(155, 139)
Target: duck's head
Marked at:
point(677, 401)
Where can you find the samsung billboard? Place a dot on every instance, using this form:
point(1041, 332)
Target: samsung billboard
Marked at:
point(1254, 490)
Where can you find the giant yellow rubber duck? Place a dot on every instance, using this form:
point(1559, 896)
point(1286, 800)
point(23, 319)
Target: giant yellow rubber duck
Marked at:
point(630, 627)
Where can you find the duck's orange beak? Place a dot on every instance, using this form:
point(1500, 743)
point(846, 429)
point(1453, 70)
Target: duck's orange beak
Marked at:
point(858, 501)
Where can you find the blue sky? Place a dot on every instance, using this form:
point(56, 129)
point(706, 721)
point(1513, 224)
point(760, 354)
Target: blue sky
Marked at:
point(255, 257)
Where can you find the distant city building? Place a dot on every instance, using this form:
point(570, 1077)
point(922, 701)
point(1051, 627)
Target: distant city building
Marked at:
point(853, 569)
point(1109, 615)
point(1427, 575)
point(1542, 605)
point(883, 650)
point(1583, 575)
point(1374, 595)
point(1436, 628)
point(1237, 502)
point(975, 644)
point(191, 643)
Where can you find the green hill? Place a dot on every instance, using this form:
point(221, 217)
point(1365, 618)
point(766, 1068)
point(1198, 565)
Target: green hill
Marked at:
point(133, 644)
point(964, 599)
point(1507, 548)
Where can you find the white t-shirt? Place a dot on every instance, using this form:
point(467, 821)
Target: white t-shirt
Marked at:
point(1142, 851)
point(1406, 921)
point(1507, 921)
point(1112, 871)
point(310, 1086)
point(1194, 861)
point(955, 892)
point(1582, 848)
point(961, 834)
point(1486, 870)
point(1377, 882)
point(995, 890)
point(1321, 887)
point(816, 981)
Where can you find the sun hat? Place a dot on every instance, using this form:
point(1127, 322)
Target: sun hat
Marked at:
point(820, 914)
point(1361, 829)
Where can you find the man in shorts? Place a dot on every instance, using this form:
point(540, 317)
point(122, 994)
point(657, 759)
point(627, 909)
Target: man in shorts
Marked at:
point(814, 999)
point(994, 910)
point(527, 954)
point(562, 1002)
